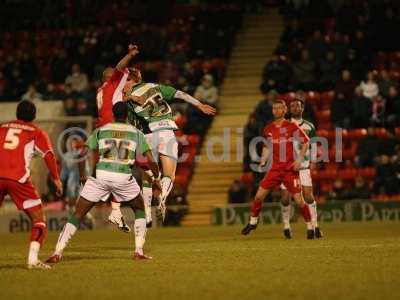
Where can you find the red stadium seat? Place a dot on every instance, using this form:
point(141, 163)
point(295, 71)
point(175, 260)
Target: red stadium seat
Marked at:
point(367, 173)
point(348, 174)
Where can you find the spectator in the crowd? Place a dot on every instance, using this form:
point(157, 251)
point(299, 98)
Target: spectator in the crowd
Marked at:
point(338, 192)
point(384, 83)
point(277, 73)
point(304, 72)
point(329, 69)
point(393, 107)
point(386, 179)
point(361, 109)
point(378, 116)
point(252, 130)
point(318, 46)
point(70, 173)
point(237, 192)
point(369, 86)
point(340, 46)
point(341, 111)
point(345, 85)
point(70, 107)
point(77, 80)
point(263, 110)
point(360, 189)
point(52, 94)
point(207, 92)
point(354, 65)
point(32, 94)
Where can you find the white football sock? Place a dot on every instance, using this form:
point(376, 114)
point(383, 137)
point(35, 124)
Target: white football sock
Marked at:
point(65, 235)
point(313, 212)
point(140, 235)
point(166, 186)
point(286, 211)
point(147, 192)
point(253, 220)
point(34, 248)
point(115, 205)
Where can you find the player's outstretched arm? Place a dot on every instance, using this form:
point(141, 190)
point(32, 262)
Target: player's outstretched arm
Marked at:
point(124, 62)
point(206, 109)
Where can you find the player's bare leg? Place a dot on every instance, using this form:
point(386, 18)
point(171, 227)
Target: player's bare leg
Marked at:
point(305, 211)
point(255, 209)
point(310, 200)
point(286, 213)
point(83, 206)
point(38, 234)
point(116, 217)
point(167, 181)
point(140, 228)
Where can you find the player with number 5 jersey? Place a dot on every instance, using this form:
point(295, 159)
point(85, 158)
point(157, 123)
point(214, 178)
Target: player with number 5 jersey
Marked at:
point(20, 140)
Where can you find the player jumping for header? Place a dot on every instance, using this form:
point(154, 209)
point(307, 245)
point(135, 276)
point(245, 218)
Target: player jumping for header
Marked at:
point(280, 135)
point(114, 80)
point(149, 101)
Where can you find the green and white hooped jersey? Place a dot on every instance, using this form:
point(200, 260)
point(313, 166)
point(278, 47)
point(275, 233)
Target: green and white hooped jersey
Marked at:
point(117, 144)
point(155, 110)
point(309, 129)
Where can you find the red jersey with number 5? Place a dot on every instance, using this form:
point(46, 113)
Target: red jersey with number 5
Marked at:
point(19, 141)
point(281, 137)
point(109, 94)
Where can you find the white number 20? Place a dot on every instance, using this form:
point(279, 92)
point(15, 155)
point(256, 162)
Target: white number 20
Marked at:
point(12, 139)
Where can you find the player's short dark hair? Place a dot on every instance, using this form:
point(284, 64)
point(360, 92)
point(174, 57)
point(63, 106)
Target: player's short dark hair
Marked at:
point(299, 100)
point(26, 111)
point(120, 111)
point(279, 101)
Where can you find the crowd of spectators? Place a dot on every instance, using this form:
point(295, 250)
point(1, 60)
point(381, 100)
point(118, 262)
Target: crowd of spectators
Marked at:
point(57, 50)
point(341, 49)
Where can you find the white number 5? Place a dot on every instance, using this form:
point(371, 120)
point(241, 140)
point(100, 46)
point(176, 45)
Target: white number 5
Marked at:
point(12, 139)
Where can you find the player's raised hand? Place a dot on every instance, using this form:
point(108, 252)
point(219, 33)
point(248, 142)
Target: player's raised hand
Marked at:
point(59, 187)
point(133, 50)
point(207, 109)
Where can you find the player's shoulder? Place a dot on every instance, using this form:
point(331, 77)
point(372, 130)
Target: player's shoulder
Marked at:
point(309, 124)
point(17, 124)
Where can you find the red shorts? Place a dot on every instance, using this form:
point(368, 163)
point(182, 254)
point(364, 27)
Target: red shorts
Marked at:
point(24, 195)
point(289, 178)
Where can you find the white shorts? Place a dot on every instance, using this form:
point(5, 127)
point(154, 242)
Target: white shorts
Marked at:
point(96, 190)
point(163, 142)
point(305, 178)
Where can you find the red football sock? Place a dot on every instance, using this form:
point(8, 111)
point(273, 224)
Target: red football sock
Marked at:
point(305, 211)
point(39, 232)
point(255, 208)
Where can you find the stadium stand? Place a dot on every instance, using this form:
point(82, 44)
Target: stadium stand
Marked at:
point(323, 51)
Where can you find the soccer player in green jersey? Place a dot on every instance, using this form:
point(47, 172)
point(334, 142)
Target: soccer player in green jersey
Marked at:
point(296, 112)
point(116, 145)
point(150, 102)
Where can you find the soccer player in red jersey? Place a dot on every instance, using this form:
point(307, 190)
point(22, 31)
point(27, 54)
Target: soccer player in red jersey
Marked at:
point(110, 92)
point(19, 140)
point(114, 80)
point(280, 135)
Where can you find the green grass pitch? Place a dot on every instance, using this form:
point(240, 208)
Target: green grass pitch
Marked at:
point(353, 261)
